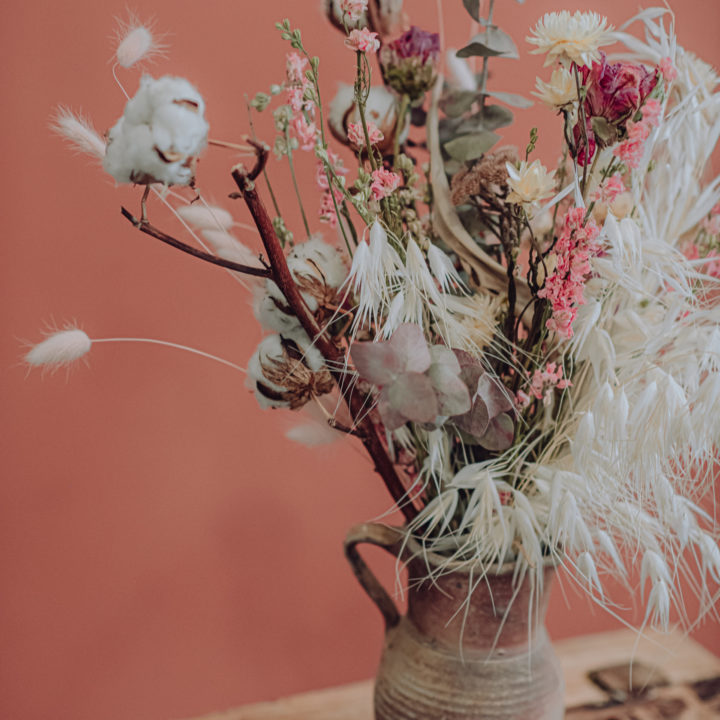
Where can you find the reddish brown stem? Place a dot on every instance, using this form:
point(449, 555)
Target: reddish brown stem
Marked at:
point(365, 428)
point(149, 229)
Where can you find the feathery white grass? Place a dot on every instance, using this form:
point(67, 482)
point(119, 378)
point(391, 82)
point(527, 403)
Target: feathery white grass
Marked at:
point(78, 132)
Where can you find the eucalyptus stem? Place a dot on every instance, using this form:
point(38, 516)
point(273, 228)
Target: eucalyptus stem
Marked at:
point(484, 73)
point(402, 112)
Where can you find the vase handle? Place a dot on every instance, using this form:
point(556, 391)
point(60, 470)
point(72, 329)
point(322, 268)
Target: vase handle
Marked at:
point(389, 539)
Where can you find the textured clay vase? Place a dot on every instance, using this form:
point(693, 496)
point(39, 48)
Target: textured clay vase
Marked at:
point(450, 659)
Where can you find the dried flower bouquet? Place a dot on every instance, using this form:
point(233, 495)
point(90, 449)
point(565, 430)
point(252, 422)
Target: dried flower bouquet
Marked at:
point(530, 357)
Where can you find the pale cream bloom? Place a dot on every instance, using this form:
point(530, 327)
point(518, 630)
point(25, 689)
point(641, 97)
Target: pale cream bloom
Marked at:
point(571, 38)
point(529, 183)
point(560, 91)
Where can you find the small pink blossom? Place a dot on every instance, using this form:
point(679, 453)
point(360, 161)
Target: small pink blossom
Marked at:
point(363, 41)
point(337, 165)
point(384, 183)
point(354, 9)
point(326, 212)
point(295, 66)
point(564, 287)
point(667, 68)
point(305, 132)
point(542, 384)
point(356, 135)
point(652, 112)
point(609, 189)
point(630, 152)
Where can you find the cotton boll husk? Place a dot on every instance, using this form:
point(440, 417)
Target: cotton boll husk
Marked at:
point(208, 217)
point(160, 134)
point(311, 355)
point(270, 348)
point(60, 348)
point(318, 269)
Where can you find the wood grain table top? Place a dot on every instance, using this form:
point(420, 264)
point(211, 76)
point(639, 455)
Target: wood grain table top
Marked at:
point(675, 678)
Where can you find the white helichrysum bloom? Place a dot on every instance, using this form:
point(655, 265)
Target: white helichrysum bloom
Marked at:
point(570, 38)
point(60, 348)
point(135, 42)
point(460, 74)
point(560, 91)
point(530, 183)
point(206, 217)
point(78, 131)
point(160, 134)
point(442, 268)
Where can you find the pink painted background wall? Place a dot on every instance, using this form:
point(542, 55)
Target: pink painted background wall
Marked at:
point(165, 551)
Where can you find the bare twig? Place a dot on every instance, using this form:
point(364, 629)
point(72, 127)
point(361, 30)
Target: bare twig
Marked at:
point(151, 230)
point(364, 428)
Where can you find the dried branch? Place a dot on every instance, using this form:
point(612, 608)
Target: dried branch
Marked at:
point(149, 229)
point(335, 359)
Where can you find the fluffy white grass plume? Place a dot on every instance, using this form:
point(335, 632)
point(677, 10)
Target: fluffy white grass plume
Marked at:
point(160, 134)
point(61, 348)
point(206, 217)
point(78, 132)
point(136, 42)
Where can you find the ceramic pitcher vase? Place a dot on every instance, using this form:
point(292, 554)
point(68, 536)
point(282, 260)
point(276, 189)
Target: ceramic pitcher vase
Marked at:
point(453, 658)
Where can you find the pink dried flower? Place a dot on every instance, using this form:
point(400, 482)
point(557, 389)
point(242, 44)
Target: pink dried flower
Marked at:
point(542, 384)
point(305, 132)
point(614, 93)
point(295, 65)
point(668, 70)
point(363, 41)
point(384, 183)
point(609, 189)
point(630, 152)
point(356, 135)
point(353, 9)
point(337, 165)
point(652, 112)
point(564, 288)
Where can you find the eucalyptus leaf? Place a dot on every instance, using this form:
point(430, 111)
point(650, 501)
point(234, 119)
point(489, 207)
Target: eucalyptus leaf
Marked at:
point(499, 434)
point(511, 99)
point(501, 42)
point(491, 117)
point(477, 49)
point(456, 102)
point(473, 7)
point(413, 396)
point(471, 146)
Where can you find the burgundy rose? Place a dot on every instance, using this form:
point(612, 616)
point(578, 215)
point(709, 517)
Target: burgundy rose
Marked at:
point(614, 92)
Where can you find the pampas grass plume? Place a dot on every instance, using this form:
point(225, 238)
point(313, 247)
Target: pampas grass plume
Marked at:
point(78, 131)
point(60, 348)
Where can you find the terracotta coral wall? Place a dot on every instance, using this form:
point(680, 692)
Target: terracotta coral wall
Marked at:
point(165, 551)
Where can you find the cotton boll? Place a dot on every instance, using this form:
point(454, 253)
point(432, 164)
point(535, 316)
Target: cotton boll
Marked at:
point(318, 270)
point(269, 310)
point(160, 134)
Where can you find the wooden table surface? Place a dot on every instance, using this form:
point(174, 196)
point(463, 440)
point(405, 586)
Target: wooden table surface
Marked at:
point(676, 661)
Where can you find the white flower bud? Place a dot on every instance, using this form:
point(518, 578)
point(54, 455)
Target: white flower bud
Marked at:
point(60, 348)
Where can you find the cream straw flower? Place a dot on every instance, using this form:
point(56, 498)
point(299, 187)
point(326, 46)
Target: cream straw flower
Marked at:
point(570, 38)
point(529, 183)
point(560, 91)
